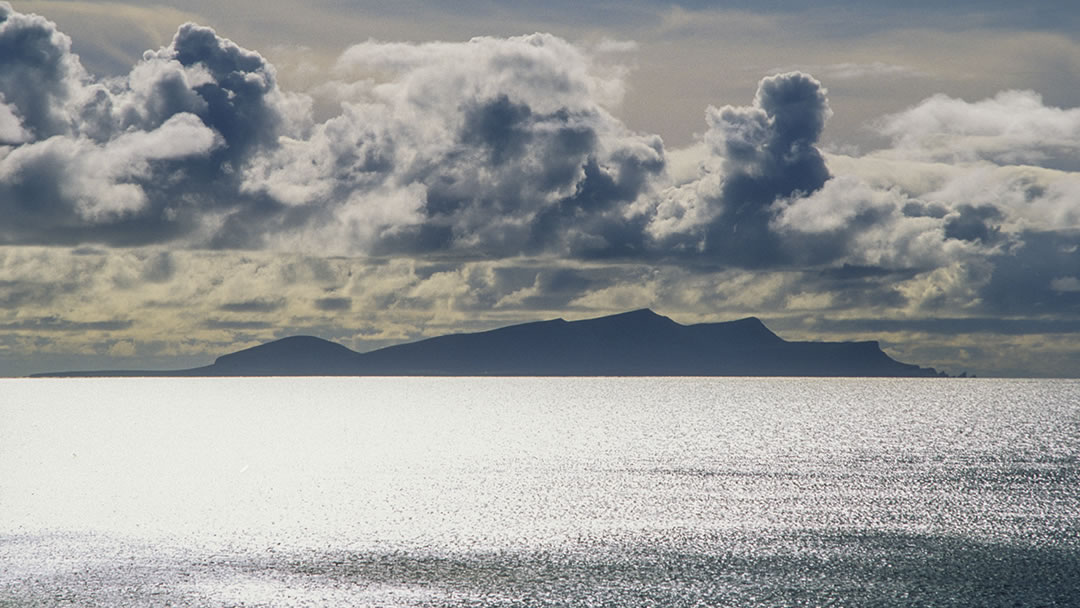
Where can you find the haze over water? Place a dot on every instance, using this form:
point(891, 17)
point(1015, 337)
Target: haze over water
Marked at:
point(529, 492)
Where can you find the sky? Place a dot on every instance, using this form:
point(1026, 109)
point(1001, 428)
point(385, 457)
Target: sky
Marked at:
point(185, 179)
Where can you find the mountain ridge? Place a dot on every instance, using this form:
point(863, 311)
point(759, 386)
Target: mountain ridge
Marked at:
point(634, 343)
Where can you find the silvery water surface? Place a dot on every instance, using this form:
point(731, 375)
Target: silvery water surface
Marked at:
point(539, 492)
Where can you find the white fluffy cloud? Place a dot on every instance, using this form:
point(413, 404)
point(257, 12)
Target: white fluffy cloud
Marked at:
point(488, 148)
point(1008, 153)
point(144, 159)
point(493, 147)
point(495, 171)
point(1013, 127)
point(758, 155)
point(500, 147)
point(100, 183)
point(980, 197)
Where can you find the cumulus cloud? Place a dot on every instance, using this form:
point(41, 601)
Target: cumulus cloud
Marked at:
point(487, 148)
point(1013, 127)
point(460, 160)
point(977, 197)
point(64, 181)
point(761, 154)
point(484, 149)
point(149, 158)
point(39, 77)
point(491, 147)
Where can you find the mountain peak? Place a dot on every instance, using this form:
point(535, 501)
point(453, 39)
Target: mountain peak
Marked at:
point(641, 315)
point(307, 354)
point(640, 312)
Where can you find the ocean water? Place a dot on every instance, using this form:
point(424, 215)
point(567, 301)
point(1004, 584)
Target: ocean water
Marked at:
point(539, 492)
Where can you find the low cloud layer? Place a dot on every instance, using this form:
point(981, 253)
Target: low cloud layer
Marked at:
point(499, 170)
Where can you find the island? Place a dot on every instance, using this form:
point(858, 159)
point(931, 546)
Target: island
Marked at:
point(637, 343)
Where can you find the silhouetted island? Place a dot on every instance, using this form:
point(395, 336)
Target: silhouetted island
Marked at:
point(638, 343)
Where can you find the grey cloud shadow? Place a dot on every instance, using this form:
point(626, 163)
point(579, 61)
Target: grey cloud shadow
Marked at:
point(236, 325)
point(1022, 280)
point(20, 294)
point(55, 323)
point(254, 305)
point(333, 304)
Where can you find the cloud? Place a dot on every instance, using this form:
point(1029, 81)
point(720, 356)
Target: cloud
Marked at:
point(769, 149)
point(493, 179)
point(1013, 127)
point(39, 77)
point(1029, 279)
point(491, 148)
point(947, 200)
point(216, 302)
point(260, 305)
point(488, 148)
point(974, 223)
point(1065, 284)
point(11, 129)
point(761, 154)
point(149, 158)
point(499, 147)
point(237, 325)
point(55, 323)
point(333, 304)
point(74, 181)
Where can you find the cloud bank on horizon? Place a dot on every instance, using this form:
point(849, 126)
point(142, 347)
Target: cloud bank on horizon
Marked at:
point(497, 173)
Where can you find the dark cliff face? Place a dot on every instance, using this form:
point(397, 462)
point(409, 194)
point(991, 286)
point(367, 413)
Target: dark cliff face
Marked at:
point(637, 343)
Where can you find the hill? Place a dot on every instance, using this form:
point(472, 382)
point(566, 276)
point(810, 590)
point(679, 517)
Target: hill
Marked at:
point(637, 343)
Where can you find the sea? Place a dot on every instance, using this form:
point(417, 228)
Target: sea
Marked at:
point(621, 492)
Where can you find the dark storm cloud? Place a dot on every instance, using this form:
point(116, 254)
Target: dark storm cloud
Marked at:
point(500, 126)
point(961, 189)
point(237, 96)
